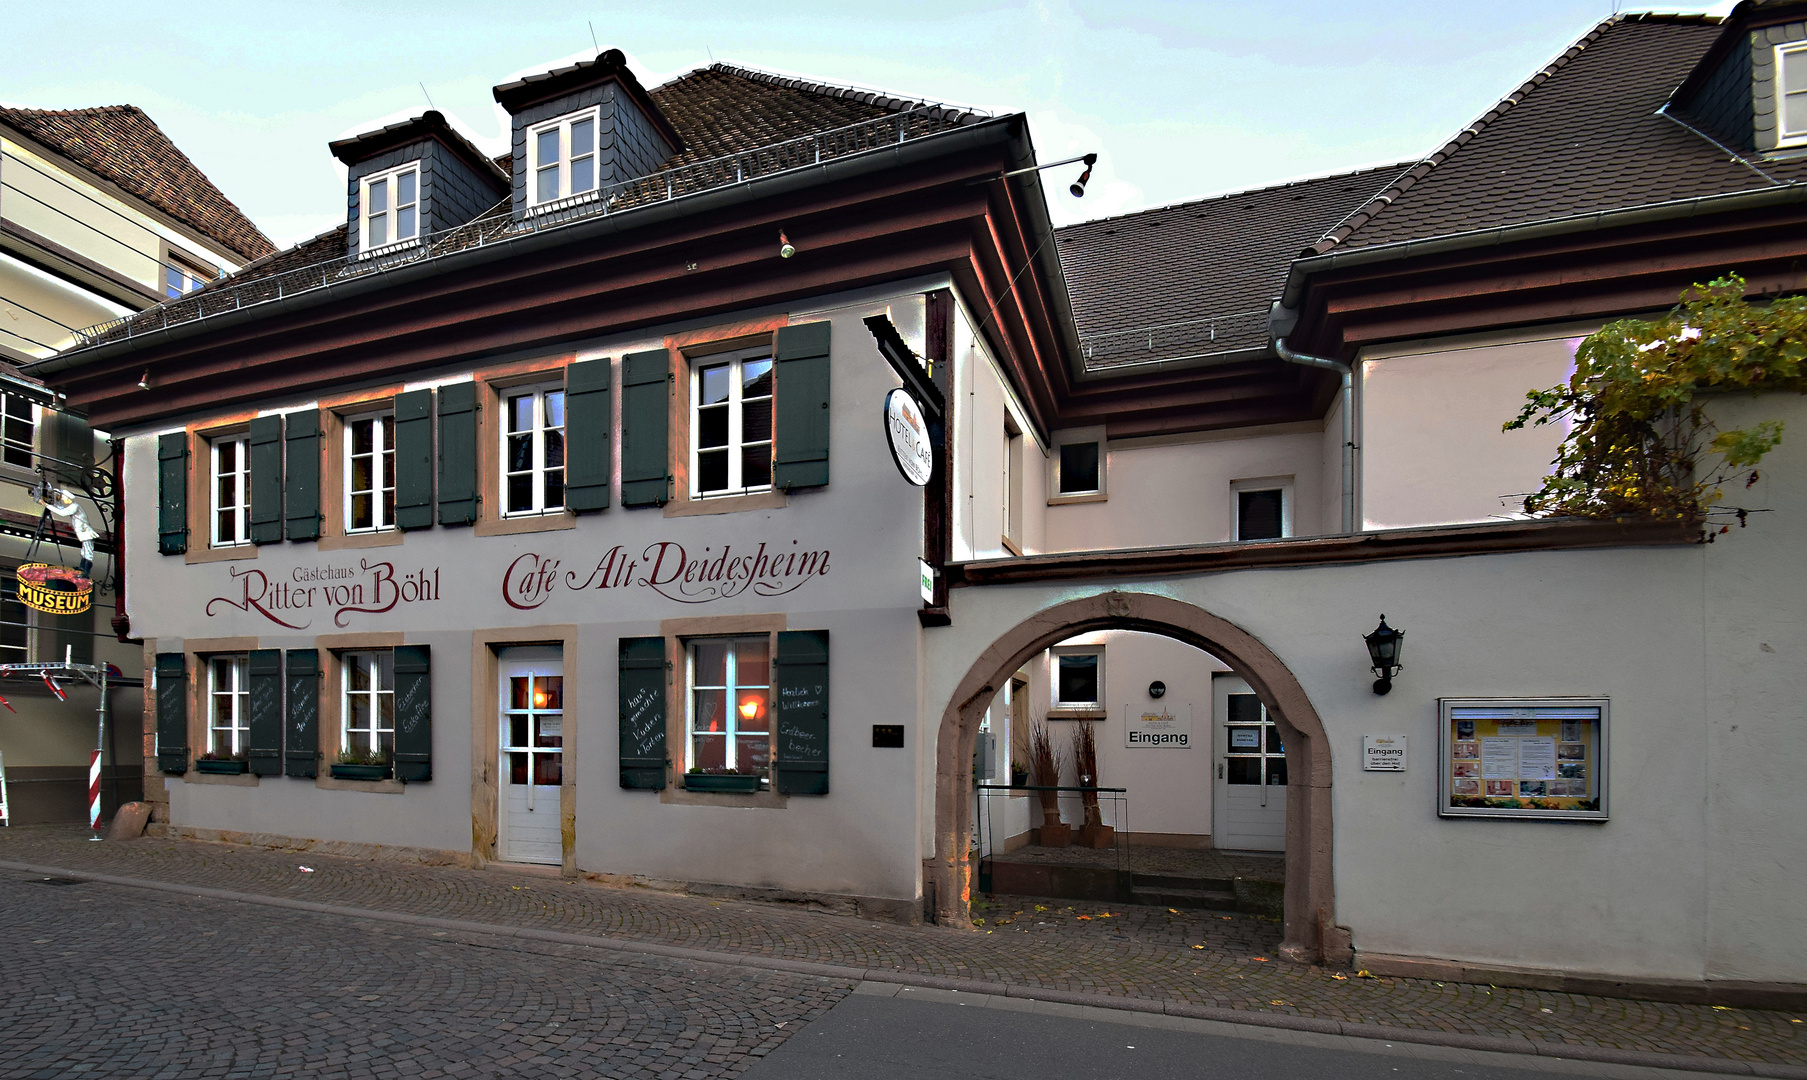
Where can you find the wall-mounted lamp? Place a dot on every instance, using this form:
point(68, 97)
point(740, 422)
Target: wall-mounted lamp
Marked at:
point(1383, 651)
point(785, 248)
point(144, 380)
point(1157, 689)
point(1078, 186)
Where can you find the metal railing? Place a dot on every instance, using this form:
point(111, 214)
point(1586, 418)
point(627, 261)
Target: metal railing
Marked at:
point(1113, 805)
point(502, 225)
point(1190, 339)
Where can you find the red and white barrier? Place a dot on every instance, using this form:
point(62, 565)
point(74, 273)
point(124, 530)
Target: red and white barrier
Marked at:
point(94, 791)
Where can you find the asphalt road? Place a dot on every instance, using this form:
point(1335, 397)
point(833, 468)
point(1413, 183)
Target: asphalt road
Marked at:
point(908, 1033)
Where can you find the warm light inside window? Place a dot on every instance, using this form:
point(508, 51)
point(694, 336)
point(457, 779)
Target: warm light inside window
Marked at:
point(539, 697)
point(749, 709)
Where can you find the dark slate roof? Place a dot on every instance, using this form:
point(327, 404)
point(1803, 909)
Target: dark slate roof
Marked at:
point(431, 124)
point(123, 145)
point(1222, 259)
point(1582, 135)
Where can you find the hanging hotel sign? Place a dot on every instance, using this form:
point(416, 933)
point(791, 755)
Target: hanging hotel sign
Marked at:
point(56, 590)
point(1167, 726)
point(907, 433)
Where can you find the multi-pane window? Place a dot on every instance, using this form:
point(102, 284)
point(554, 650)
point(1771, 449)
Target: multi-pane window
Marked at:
point(368, 724)
point(231, 491)
point(1254, 754)
point(1079, 677)
point(228, 704)
point(370, 473)
point(15, 623)
point(730, 704)
point(533, 730)
point(391, 208)
point(533, 451)
point(17, 424)
point(564, 158)
point(1791, 91)
point(731, 425)
point(179, 278)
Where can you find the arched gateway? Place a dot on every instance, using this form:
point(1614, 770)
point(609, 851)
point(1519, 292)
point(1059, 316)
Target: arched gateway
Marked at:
point(1311, 932)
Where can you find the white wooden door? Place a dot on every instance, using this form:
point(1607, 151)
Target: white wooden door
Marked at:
point(532, 718)
point(1248, 804)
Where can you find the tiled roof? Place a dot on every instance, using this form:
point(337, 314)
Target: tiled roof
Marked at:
point(1222, 259)
point(1582, 135)
point(122, 144)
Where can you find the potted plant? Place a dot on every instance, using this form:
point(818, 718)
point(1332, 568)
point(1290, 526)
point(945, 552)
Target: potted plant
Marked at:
point(361, 765)
point(1019, 773)
point(220, 764)
point(731, 781)
point(1044, 772)
point(1094, 833)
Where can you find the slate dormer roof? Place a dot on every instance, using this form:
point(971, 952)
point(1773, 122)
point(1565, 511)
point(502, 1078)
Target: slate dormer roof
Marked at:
point(430, 125)
point(610, 65)
point(1223, 258)
point(1586, 134)
point(124, 146)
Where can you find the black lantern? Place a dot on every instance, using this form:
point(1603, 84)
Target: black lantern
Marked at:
point(1383, 651)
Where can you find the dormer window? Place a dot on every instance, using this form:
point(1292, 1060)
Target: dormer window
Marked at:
point(563, 153)
point(1791, 84)
point(391, 208)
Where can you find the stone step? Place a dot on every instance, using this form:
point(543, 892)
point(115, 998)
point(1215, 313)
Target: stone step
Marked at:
point(1194, 899)
point(1175, 881)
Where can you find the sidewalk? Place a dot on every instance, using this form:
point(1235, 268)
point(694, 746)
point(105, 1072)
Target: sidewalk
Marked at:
point(1148, 959)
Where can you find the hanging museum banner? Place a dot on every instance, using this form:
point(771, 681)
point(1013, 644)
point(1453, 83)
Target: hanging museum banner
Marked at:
point(55, 590)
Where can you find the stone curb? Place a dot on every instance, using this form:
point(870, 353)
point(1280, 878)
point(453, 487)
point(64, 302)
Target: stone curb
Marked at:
point(1378, 1032)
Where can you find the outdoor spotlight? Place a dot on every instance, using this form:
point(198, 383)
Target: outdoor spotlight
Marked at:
point(1078, 186)
point(785, 248)
point(144, 380)
point(1383, 653)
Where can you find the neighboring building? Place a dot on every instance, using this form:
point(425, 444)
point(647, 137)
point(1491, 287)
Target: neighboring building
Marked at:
point(100, 217)
point(551, 505)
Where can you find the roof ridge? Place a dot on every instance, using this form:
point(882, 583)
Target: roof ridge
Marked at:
point(876, 98)
point(1391, 194)
point(1282, 186)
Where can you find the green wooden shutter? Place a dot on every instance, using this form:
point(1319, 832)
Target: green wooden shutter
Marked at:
point(413, 713)
point(646, 428)
point(71, 637)
point(414, 459)
point(301, 495)
point(172, 493)
point(801, 412)
point(458, 496)
point(68, 447)
point(172, 713)
point(589, 431)
point(263, 742)
point(301, 720)
point(641, 699)
point(800, 674)
point(265, 447)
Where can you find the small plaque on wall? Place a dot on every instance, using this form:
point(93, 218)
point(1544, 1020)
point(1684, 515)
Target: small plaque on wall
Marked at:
point(1383, 753)
point(887, 735)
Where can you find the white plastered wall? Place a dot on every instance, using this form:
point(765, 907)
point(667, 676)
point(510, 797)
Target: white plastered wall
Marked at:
point(982, 398)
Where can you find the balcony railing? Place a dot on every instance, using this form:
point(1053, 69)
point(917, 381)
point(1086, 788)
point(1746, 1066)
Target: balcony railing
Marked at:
point(1190, 339)
point(501, 225)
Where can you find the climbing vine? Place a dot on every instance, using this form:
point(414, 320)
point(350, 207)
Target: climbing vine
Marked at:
point(1640, 442)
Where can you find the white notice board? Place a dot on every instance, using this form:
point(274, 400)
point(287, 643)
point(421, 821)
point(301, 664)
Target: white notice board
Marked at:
point(1383, 753)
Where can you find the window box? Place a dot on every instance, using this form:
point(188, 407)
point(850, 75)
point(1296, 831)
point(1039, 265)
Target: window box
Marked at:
point(342, 771)
point(727, 783)
point(220, 766)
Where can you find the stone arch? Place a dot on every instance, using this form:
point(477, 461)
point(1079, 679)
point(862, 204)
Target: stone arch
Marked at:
point(1311, 933)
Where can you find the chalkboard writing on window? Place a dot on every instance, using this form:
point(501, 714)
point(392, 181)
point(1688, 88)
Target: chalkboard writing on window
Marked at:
point(172, 713)
point(801, 676)
point(641, 693)
point(413, 713)
point(301, 720)
point(264, 749)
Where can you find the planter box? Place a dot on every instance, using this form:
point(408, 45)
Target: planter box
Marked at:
point(738, 785)
point(1095, 836)
point(360, 772)
point(1053, 836)
point(220, 768)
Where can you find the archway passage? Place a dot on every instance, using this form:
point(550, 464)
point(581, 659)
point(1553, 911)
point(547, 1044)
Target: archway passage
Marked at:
point(1310, 931)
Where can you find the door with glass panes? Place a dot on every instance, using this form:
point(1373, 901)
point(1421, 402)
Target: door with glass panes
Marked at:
point(532, 729)
point(1248, 804)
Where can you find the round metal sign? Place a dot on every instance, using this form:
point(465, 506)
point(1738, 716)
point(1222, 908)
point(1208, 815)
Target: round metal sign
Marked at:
point(908, 435)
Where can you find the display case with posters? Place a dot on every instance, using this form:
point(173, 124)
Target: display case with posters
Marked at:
point(1538, 758)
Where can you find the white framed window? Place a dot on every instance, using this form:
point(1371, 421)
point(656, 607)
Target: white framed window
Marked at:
point(18, 425)
point(180, 276)
point(1011, 481)
point(16, 623)
point(389, 204)
point(1262, 509)
point(370, 473)
point(231, 476)
point(1791, 93)
point(731, 424)
point(1079, 468)
point(367, 720)
point(533, 451)
point(1077, 676)
point(730, 704)
point(562, 158)
point(228, 704)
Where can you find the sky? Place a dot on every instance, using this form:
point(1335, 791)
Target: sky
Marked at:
point(1181, 100)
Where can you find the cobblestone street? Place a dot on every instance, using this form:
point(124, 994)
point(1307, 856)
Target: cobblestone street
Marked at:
point(106, 952)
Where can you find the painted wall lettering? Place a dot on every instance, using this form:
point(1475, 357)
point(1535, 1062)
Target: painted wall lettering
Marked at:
point(341, 591)
point(668, 569)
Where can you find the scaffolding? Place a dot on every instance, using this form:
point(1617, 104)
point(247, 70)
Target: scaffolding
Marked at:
point(96, 675)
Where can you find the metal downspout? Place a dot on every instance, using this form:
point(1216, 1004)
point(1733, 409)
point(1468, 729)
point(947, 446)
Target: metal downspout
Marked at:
point(1348, 375)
